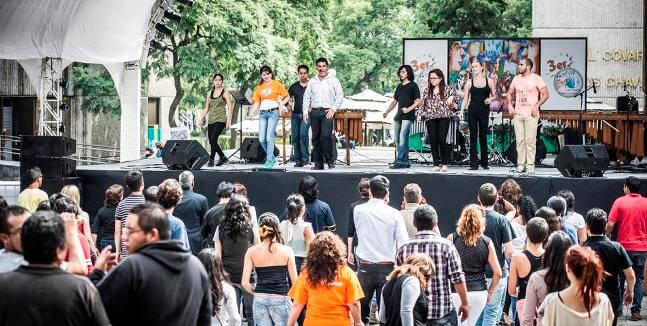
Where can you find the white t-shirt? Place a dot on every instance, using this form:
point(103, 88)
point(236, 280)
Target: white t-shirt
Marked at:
point(574, 219)
point(227, 312)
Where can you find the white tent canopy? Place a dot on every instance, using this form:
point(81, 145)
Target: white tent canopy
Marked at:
point(89, 31)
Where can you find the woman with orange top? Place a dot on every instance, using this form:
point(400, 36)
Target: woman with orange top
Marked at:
point(329, 287)
point(270, 96)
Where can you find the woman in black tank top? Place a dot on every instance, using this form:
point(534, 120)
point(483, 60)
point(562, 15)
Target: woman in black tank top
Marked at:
point(479, 92)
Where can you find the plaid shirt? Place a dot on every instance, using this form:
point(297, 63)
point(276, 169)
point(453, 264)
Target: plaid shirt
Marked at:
point(448, 269)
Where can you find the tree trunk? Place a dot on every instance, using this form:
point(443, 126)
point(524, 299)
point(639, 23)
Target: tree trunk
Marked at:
point(178, 87)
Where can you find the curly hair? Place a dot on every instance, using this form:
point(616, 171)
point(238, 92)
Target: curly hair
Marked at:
point(510, 191)
point(470, 224)
point(114, 194)
point(527, 208)
point(169, 193)
point(416, 265)
point(326, 254)
point(235, 221)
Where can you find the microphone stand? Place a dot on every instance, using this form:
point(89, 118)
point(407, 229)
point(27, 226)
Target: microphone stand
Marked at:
point(582, 110)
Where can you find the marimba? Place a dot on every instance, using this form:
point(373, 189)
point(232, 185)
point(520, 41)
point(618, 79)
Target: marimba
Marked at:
point(349, 124)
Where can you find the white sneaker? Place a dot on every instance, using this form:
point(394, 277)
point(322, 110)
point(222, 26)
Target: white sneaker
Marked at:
point(444, 168)
point(435, 169)
point(521, 168)
point(530, 170)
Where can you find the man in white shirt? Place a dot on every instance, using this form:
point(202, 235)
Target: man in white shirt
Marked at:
point(380, 232)
point(322, 98)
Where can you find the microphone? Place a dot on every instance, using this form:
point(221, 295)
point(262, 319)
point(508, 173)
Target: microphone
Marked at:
point(595, 90)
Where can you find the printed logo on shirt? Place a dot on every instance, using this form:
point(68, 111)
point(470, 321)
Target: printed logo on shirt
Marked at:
point(266, 91)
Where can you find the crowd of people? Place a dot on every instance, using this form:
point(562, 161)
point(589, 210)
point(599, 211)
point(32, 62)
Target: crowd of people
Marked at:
point(161, 256)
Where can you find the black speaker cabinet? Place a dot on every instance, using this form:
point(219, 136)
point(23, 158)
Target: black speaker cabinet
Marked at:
point(56, 167)
point(184, 155)
point(47, 146)
point(582, 161)
point(251, 151)
point(626, 103)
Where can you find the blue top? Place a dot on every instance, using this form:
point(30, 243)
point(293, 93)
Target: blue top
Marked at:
point(178, 231)
point(570, 230)
point(318, 213)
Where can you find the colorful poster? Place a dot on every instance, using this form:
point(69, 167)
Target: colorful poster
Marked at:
point(423, 56)
point(563, 67)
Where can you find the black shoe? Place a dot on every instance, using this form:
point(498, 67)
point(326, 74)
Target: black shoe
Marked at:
point(222, 161)
point(396, 166)
point(210, 164)
point(331, 165)
point(298, 165)
point(485, 167)
point(317, 167)
point(474, 167)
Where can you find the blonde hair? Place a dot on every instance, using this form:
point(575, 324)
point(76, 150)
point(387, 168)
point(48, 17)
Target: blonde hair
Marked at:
point(470, 224)
point(417, 265)
point(73, 192)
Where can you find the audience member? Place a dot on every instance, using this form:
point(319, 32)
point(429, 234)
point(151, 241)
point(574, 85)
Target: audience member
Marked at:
point(630, 214)
point(571, 217)
point(32, 195)
point(403, 299)
point(614, 259)
point(11, 222)
point(240, 189)
point(558, 204)
point(317, 211)
point(150, 194)
point(326, 285)
point(551, 278)
point(223, 295)
point(275, 270)
point(476, 252)
point(555, 222)
point(65, 204)
point(161, 282)
point(135, 184)
point(213, 216)
point(365, 194)
point(527, 209)
point(448, 269)
point(581, 303)
point(191, 210)
point(73, 192)
point(103, 227)
point(510, 194)
point(296, 232)
point(41, 293)
point(412, 196)
point(169, 195)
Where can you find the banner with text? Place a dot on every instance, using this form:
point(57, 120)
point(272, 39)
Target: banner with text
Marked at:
point(563, 67)
point(425, 55)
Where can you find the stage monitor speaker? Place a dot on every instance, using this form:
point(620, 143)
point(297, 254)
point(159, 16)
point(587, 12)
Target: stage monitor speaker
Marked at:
point(54, 185)
point(47, 146)
point(252, 152)
point(57, 167)
point(184, 155)
point(626, 103)
point(582, 160)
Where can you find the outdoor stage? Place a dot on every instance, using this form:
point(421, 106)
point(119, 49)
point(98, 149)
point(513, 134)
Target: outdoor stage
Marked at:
point(447, 192)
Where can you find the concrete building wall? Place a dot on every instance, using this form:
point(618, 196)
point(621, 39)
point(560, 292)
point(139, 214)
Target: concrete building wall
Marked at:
point(615, 40)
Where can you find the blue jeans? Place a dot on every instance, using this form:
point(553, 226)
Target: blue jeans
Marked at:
point(104, 243)
point(266, 130)
point(638, 258)
point(300, 139)
point(493, 310)
point(401, 133)
point(271, 310)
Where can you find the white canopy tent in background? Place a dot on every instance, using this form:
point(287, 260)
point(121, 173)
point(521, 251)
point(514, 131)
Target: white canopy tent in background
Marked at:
point(113, 33)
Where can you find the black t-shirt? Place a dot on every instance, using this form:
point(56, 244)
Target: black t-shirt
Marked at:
point(615, 260)
point(497, 228)
point(406, 95)
point(210, 223)
point(233, 252)
point(104, 224)
point(296, 91)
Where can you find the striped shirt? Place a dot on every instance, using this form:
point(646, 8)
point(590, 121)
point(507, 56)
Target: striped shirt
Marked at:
point(121, 213)
point(448, 269)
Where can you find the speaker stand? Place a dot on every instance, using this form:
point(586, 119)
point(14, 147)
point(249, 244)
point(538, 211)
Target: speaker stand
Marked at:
point(241, 102)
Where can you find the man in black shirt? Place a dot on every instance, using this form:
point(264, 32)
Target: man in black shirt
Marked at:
point(213, 215)
point(300, 125)
point(615, 261)
point(42, 293)
point(407, 96)
point(191, 210)
point(363, 188)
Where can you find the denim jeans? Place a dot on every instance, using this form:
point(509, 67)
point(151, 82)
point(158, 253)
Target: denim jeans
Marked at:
point(450, 319)
point(266, 131)
point(372, 278)
point(104, 243)
point(271, 310)
point(401, 134)
point(638, 258)
point(248, 301)
point(300, 138)
point(494, 309)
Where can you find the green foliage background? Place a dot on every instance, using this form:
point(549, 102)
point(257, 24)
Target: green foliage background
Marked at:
point(362, 39)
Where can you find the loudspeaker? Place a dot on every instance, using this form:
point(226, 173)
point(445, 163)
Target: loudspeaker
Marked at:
point(184, 155)
point(540, 153)
point(47, 146)
point(51, 168)
point(582, 160)
point(52, 186)
point(626, 103)
point(251, 151)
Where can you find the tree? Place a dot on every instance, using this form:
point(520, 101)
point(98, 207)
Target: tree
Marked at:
point(98, 90)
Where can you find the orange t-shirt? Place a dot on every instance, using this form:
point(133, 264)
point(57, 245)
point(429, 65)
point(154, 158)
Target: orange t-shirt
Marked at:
point(328, 305)
point(269, 93)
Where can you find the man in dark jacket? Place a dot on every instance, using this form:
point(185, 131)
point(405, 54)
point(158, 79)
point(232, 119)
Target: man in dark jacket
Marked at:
point(160, 283)
point(191, 210)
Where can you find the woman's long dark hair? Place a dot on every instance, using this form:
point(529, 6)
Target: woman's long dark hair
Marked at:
point(268, 224)
point(213, 88)
point(216, 272)
point(527, 208)
point(236, 219)
point(441, 85)
point(309, 189)
point(266, 69)
point(558, 244)
point(409, 69)
point(296, 204)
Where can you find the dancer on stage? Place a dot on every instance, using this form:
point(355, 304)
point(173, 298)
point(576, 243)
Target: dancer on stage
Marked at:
point(323, 97)
point(407, 96)
point(300, 123)
point(530, 93)
point(436, 109)
point(218, 110)
point(270, 96)
point(479, 92)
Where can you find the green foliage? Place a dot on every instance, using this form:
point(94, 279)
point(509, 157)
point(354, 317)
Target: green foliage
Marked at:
point(98, 90)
